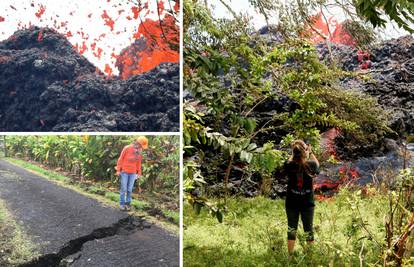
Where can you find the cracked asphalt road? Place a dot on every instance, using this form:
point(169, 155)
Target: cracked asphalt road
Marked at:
point(53, 215)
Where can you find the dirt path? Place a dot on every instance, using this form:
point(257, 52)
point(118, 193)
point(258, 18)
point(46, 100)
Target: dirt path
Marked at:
point(74, 230)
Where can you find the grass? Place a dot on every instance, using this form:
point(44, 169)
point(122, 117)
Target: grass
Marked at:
point(15, 246)
point(172, 214)
point(97, 192)
point(253, 233)
point(50, 174)
point(138, 204)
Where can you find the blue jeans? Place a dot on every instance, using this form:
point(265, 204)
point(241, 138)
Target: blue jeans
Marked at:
point(127, 184)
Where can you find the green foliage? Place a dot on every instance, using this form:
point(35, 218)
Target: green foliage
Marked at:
point(362, 35)
point(322, 105)
point(303, 78)
point(230, 71)
point(400, 11)
point(92, 157)
point(139, 204)
point(162, 168)
point(399, 221)
point(50, 174)
point(212, 49)
point(267, 159)
point(264, 159)
point(112, 196)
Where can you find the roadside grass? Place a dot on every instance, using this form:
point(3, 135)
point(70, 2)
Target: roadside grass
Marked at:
point(349, 231)
point(138, 204)
point(50, 174)
point(169, 219)
point(172, 214)
point(15, 246)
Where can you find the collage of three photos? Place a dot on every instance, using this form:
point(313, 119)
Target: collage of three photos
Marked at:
point(206, 133)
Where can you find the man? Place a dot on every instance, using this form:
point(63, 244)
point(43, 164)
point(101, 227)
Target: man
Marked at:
point(129, 167)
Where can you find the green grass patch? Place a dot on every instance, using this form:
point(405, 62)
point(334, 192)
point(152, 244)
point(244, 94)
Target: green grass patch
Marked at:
point(175, 215)
point(254, 233)
point(2, 215)
point(98, 190)
point(15, 246)
point(48, 173)
point(138, 204)
point(112, 196)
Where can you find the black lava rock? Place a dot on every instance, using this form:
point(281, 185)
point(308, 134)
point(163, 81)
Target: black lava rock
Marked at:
point(45, 85)
point(391, 71)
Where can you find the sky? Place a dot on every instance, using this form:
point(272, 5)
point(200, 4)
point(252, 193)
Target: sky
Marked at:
point(258, 21)
point(99, 28)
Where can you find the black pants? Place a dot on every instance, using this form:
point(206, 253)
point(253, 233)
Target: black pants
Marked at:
point(306, 216)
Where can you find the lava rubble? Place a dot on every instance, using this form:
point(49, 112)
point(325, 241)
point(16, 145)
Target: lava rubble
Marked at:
point(46, 85)
point(390, 66)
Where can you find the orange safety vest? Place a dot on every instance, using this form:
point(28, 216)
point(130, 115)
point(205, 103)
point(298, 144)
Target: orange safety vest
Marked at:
point(129, 161)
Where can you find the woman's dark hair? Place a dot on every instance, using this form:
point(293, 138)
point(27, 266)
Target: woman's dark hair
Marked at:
point(299, 149)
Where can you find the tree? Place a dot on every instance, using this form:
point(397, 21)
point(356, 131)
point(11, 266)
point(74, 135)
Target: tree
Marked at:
point(399, 11)
point(231, 72)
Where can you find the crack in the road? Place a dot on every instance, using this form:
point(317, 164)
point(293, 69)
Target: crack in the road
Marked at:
point(122, 227)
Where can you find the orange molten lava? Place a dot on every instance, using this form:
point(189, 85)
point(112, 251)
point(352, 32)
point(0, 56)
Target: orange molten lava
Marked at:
point(160, 35)
point(40, 36)
point(108, 20)
point(108, 70)
point(338, 36)
point(160, 39)
point(41, 11)
point(328, 142)
point(347, 176)
point(137, 10)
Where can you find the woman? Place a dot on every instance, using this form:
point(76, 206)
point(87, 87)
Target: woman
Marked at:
point(300, 170)
point(129, 167)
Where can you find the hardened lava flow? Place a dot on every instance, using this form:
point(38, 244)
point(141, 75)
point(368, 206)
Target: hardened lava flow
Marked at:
point(45, 85)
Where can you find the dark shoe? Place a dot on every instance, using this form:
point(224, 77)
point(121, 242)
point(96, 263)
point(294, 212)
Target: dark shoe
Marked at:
point(128, 207)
